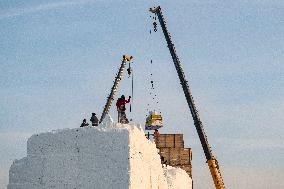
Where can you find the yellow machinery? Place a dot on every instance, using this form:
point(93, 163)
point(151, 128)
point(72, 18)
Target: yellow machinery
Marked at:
point(153, 121)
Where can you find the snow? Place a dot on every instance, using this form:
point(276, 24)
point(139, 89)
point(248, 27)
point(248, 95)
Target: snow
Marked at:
point(176, 178)
point(107, 122)
point(111, 155)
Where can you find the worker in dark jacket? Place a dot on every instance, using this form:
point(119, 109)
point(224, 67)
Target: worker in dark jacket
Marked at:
point(163, 160)
point(84, 123)
point(120, 105)
point(156, 133)
point(94, 120)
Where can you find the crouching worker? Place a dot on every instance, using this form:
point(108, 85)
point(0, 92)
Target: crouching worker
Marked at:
point(120, 105)
point(94, 120)
point(84, 123)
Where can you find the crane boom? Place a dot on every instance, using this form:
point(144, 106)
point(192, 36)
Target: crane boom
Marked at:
point(114, 88)
point(211, 161)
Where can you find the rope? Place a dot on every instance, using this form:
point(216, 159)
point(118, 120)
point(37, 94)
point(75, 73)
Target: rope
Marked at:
point(132, 89)
point(130, 74)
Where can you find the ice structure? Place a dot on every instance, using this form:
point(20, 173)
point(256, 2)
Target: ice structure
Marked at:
point(110, 156)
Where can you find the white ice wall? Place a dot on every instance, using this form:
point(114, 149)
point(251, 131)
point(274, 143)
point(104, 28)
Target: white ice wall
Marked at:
point(177, 179)
point(116, 156)
point(145, 163)
point(74, 158)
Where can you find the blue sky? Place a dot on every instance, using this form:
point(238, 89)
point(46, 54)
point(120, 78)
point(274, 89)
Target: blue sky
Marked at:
point(58, 60)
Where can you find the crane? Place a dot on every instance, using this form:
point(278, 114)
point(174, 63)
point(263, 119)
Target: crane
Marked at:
point(114, 88)
point(211, 160)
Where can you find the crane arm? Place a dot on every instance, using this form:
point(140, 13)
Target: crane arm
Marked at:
point(211, 161)
point(114, 88)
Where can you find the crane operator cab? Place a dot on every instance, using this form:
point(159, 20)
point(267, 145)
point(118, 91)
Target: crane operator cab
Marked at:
point(153, 121)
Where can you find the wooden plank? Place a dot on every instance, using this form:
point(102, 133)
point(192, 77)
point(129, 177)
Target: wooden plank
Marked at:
point(169, 144)
point(173, 138)
point(176, 156)
point(178, 137)
point(171, 148)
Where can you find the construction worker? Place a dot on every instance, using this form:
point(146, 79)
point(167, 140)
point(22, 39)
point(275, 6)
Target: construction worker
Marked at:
point(163, 160)
point(120, 105)
point(156, 133)
point(94, 120)
point(84, 123)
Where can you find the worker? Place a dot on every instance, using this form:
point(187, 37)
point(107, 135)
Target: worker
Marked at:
point(156, 133)
point(94, 120)
point(84, 123)
point(163, 160)
point(120, 105)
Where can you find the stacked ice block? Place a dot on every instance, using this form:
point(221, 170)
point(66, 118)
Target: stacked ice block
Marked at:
point(118, 156)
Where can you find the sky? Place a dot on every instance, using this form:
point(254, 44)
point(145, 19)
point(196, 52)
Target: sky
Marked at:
point(58, 60)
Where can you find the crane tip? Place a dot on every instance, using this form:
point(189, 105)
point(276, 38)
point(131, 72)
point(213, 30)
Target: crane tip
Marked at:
point(155, 9)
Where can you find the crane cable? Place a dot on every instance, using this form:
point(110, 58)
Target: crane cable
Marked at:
point(130, 74)
point(132, 90)
point(153, 93)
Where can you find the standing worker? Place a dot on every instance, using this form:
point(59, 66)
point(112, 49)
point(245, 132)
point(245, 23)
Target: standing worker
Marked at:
point(120, 105)
point(156, 133)
point(94, 120)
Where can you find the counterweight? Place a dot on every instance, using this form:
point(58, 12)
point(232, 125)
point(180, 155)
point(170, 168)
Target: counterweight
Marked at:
point(211, 161)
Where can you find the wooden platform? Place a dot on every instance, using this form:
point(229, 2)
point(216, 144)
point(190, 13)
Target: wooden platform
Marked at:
point(172, 151)
point(169, 141)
